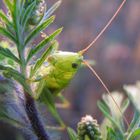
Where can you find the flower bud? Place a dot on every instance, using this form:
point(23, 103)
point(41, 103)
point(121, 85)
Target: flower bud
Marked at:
point(88, 127)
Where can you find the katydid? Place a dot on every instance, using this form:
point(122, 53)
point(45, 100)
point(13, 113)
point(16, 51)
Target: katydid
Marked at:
point(62, 66)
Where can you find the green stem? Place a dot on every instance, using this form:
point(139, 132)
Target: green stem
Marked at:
point(30, 107)
point(33, 114)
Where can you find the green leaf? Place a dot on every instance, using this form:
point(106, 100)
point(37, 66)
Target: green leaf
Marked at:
point(6, 52)
point(21, 4)
point(72, 134)
point(27, 13)
point(51, 11)
point(43, 57)
point(125, 105)
point(4, 18)
point(105, 110)
point(112, 135)
point(5, 116)
point(43, 43)
point(38, 29)
point(7, 22)
point(16, 19)
point(47, 97)
point(10, 62)
point(104, 106)
point(135, 121)
point(3, 113)
point(9, 5)
point(10, 72)
point(135, 135)
point(7, 34)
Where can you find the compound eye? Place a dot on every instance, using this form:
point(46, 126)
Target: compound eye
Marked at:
point(74, 65)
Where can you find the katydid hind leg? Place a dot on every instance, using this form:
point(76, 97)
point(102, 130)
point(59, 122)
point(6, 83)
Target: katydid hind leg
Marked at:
point(65, 103)
point(48, 98)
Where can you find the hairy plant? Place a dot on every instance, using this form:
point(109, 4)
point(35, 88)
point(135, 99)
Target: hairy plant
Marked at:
point(25, 20)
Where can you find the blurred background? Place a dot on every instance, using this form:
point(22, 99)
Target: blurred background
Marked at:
point(117, 52)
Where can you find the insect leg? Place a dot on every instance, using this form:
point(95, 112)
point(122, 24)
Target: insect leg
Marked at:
point(65, 103)
point(48, 98)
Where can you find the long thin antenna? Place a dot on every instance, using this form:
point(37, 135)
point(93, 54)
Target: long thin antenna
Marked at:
point(108, 92)
point(104, 29)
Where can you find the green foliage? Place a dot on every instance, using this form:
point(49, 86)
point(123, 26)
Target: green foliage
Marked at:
point(72, 134)
point(135, 121)
point(42, 44)
point(17, 28)
point(7, 53)
point(22, 35)
point(51, 11)
point(27, 14)
point(7, 34)
point(38, 29)
point(21, 27)
point(43, 58)
point(135, 135)
point(9, 5)
point(5, 19)
point(113, 127)
point(112, 135)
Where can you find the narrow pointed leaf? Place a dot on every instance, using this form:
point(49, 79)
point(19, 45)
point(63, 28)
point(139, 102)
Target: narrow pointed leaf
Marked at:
point(5, 116)
point(111, 135)
point(43, 43)
point(6, 52)
point(38, 29)
point(9, 5)
point(4, 18)
point(72, 134)
point(7, 22)
point(16, 76)
point(16, 18)
point(27, 14)
point(135, 121)
point(7, 34)
point(125, 105)
point(105, 110)
point(135, 135)
point(43, 57)
point(51, 11)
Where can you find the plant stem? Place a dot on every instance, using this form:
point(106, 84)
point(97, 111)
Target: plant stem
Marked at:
point(30, 106)
point(34, 118)
point(32, 112)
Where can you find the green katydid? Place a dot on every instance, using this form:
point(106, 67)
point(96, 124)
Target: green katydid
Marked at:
point(61, 68)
